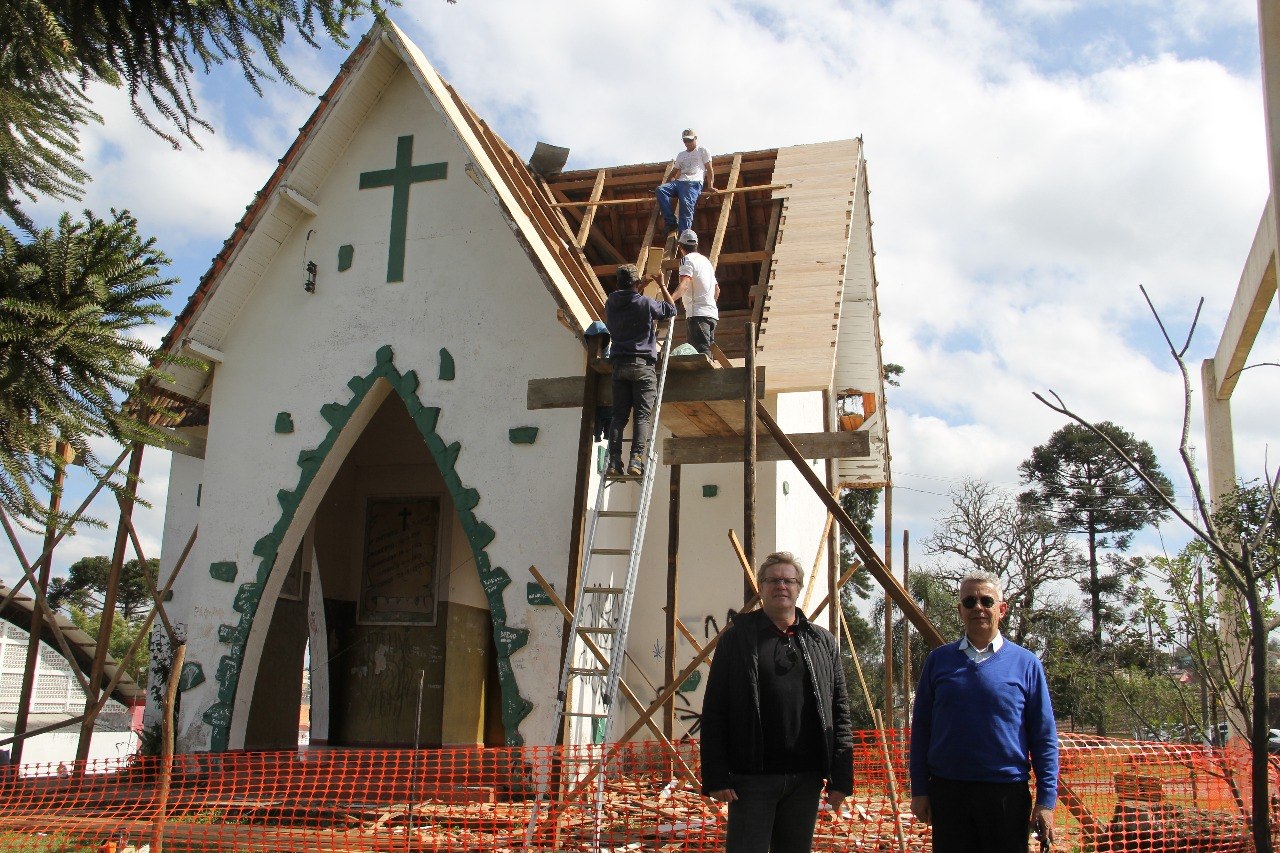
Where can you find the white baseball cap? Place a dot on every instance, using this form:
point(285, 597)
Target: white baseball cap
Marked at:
point(688, 237)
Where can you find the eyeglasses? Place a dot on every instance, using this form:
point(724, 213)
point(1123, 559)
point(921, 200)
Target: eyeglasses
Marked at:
point(971, 601)
point(781, 581)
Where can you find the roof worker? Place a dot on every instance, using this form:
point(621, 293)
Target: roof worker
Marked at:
point(694, 174)
point(981, 708)
point(699, 290)
point(629, 315)
point(775, 720)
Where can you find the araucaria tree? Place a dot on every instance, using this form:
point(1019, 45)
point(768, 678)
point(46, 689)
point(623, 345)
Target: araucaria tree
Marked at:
point(68, 301)
point(49, 50)
point(1079, 481)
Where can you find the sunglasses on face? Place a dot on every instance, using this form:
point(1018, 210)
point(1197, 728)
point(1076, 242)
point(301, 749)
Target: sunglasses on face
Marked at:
point(971, 601)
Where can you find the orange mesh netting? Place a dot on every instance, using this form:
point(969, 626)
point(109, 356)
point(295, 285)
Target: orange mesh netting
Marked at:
point(1115, 795)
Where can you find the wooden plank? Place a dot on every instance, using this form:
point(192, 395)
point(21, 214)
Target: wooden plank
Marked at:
point(726, 208)
point(564, 392)
point(675, 364)
point(705, 418)
point(812, 445)
point(585, 230)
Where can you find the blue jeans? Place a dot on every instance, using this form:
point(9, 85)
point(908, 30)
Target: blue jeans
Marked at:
point(688, 192)
point(774, 812)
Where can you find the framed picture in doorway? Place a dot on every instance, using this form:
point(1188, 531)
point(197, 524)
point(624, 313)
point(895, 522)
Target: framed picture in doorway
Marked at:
point(400, 575)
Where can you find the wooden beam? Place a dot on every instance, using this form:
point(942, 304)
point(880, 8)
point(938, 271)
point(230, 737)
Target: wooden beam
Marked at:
point(770, 240)
point(565, 392)
point(614, 201)
point(866, 551)
point(726, 207)
point(812, 445)
point(749, 442)
point(728, 259)
point(585, 230)
point(673, 599)
point(1254, 295)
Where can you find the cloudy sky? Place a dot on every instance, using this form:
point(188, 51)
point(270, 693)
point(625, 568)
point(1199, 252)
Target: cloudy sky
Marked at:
point(1032, 162)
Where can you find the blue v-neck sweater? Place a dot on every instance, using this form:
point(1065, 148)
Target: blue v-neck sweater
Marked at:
point(978, 722)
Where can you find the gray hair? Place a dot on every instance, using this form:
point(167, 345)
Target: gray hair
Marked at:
point(778, 558)
point(984, 577)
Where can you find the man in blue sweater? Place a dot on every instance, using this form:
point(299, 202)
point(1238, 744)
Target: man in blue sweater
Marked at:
point(981, 708)
point(633, 350)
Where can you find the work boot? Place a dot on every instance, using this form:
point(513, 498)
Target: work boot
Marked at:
point(614, 468)
point(636, 466)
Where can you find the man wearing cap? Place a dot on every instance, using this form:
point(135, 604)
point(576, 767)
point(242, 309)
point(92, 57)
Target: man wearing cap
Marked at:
point(629, 316)
point(700, 291)
point(693, 172)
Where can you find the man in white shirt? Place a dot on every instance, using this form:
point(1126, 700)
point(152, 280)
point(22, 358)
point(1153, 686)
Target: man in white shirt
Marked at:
point(700, 291)
point(693, 172)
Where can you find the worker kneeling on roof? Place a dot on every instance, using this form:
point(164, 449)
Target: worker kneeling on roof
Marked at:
point(629, 315)
point(700, 291)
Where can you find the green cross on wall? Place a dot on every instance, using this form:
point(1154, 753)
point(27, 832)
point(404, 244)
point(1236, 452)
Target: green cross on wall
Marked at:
point(400, 179)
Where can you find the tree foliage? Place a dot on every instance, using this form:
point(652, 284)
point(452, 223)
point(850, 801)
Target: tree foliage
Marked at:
point(123, 632)
point(68, 300)
point(86, 585)
point(1085, 487)
point(50, 49)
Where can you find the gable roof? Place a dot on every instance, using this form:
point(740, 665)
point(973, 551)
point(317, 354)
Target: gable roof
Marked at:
point(285, 201)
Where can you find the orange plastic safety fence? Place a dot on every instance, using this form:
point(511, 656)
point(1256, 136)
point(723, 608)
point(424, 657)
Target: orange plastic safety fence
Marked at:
point(1115, 795)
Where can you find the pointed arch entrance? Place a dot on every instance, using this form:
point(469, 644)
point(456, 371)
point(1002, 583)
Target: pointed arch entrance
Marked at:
point(388, 402)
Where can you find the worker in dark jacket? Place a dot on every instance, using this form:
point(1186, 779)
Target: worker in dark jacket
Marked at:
point(629, 316)
point(775, 720)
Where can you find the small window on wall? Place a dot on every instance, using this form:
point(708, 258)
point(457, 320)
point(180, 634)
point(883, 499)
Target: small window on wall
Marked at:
point(854, 407)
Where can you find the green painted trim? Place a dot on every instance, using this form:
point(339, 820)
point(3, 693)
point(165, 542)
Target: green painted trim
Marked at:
point(224, 570)
point(602, 454)
point(284, 423)
point(400, 178)
point(536, 595)
point(710, 491)
point(346, 253)
point(691, 683)
point(493, 579)
point(447, 371)
point(523, 435)
point(192, 676)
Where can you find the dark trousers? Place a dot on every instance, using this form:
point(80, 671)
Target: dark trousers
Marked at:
point(635, 385)
point(701, 332)
point(979, 817)
point(774, 812)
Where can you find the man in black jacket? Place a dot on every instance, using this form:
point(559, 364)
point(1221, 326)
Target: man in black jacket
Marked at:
point(775, 720)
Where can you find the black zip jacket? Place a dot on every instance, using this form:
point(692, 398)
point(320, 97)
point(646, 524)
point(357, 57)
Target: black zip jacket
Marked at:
point(732, 735)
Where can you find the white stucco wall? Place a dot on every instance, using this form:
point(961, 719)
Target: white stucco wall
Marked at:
point(468, 287)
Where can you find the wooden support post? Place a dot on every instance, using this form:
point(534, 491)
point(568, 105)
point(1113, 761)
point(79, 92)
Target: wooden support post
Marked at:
point(673, 598)
point(590, 215)
point(906, 634)
point(60, 462)
point(833, 559)
point(749, 454)
point(167, 725)
point(889, 685)
point(109, 607)
point(864, 548)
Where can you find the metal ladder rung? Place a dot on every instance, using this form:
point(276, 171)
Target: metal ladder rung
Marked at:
point(583, 629)
point(612, 552)
point(577, 670)
point(586, 714)
point(605, 590)
point(617, 513)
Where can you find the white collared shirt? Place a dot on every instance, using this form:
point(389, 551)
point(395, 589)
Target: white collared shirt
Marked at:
point(978, 655)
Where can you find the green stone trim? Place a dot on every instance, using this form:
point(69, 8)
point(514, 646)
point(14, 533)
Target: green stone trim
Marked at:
point(400, 178)
point(691, 683)
point(536, 595)
point(493, 579)
point(284, 423)
point(602, 454)
point(224, 570)
point(710, 491)
point(192, 676)
point(446, 365)
point(523, 435)
point(346, 253)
